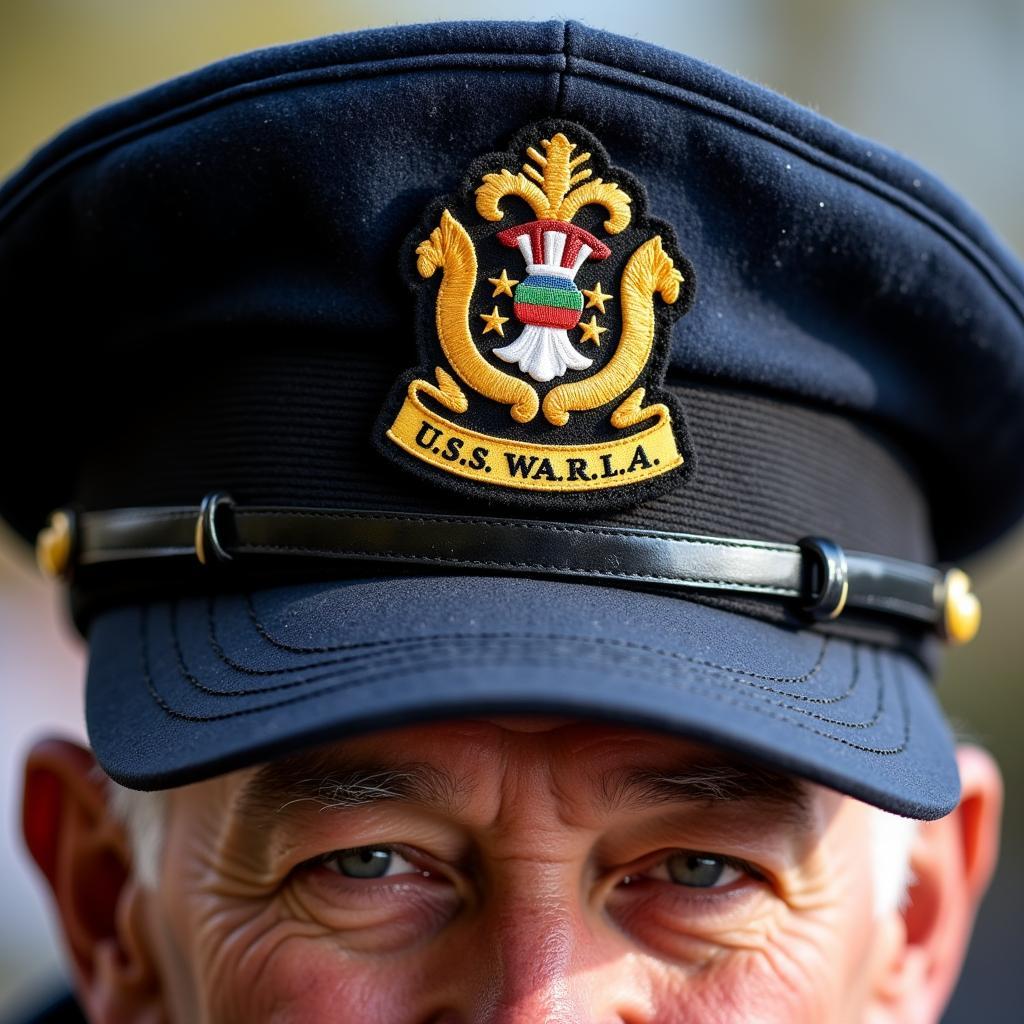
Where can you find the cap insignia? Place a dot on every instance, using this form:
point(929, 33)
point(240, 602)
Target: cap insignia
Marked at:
point(545, 299)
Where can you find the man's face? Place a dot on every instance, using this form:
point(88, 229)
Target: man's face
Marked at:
point(516, 871)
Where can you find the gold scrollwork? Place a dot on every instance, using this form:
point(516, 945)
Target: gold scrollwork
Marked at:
point(650, 271)
point(554, 188)
point(446, 392)
point(449, 247)
point(632, 411)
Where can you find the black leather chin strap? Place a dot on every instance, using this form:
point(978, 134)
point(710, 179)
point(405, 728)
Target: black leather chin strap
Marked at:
point(817, 574)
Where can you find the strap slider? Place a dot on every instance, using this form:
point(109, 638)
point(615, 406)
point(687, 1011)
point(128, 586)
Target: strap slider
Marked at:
point(826, 575)
point(213, 528)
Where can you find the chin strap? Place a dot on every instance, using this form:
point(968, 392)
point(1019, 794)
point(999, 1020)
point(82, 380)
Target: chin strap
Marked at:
point(816, 573)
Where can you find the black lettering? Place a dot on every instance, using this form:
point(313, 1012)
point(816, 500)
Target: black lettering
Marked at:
point(479, 459)
point(577, 469)
point(518, 466)
point(606, 461)
point(421, 437)
point(546, 470)
point(639, 459)
point(451, 452)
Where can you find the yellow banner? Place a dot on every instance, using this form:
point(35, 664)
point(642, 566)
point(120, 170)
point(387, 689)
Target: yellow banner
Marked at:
point(518, 464)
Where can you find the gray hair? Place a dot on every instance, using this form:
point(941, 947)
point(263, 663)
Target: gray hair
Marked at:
point(143, 817)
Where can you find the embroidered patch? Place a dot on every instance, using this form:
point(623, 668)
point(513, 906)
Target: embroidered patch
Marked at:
point(545, 299)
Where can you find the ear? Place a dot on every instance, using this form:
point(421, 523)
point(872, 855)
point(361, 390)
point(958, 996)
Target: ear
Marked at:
point(952, 862)
point(84, 856)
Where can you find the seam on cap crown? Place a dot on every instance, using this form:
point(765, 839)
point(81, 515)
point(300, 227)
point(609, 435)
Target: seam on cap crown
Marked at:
point(564, 47)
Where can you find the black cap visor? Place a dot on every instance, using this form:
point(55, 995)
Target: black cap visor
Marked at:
point(184, 690)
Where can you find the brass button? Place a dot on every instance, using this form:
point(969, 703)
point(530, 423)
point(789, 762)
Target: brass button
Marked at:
point(55, 544)
point(961, 610)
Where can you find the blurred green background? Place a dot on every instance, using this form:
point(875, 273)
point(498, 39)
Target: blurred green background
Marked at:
point(941, 81)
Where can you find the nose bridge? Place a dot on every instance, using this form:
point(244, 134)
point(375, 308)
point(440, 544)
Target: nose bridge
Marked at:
point(544, 956)
point(536, 941)
point(538, 954)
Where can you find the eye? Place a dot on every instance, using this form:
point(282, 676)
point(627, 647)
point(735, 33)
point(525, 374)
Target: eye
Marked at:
point(695, 870)
point(700, 870)
point(371, 862)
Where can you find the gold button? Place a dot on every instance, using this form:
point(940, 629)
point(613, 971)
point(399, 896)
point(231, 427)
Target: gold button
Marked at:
point(54, 544)
point(961, 608)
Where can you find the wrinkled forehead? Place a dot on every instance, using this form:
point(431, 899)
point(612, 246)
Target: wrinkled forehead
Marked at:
point(447, 766)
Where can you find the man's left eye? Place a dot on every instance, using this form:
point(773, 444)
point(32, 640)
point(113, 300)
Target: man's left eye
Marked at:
point(370, 862)
point(695, 870)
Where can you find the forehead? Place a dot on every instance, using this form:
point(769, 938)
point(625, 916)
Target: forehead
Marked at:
point(447, 764)
point(480, 744)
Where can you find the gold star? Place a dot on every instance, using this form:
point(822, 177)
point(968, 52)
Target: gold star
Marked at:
point(494, 320)
point(596, 297)
point(503, 285)
point(591, 332)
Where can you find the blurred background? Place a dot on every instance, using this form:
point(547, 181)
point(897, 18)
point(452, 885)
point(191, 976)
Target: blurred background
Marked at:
point(940, 80)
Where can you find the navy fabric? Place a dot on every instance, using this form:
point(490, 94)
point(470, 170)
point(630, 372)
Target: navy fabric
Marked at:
point(206, 279)
point(280, 184)
point(211, 684)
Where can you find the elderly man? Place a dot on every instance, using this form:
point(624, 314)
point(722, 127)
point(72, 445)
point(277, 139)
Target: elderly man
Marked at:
point(551, 640)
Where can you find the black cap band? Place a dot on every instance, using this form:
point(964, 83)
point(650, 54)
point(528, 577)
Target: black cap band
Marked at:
point(815, 576)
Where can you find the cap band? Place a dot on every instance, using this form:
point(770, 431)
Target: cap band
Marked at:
point(818, 574)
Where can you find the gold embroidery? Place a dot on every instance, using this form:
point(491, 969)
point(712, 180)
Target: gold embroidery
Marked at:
point(591, 331)
point(494, 321)
point(596, 297)
point(631, 411)
point(556, 182)
point(466, 453)
point(503, 285)
point(451, 248)
point(650, 271)
point(447, 392)
point(555, 192)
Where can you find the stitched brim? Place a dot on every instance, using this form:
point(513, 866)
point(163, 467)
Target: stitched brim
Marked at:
point(180, 691)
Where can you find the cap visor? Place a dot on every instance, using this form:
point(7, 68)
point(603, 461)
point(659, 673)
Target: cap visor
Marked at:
point(183, 690)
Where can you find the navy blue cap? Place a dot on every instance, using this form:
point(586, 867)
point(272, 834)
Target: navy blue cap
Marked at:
point(211, 284)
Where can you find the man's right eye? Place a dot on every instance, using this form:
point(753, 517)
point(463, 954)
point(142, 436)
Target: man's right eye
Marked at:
point(370, 862)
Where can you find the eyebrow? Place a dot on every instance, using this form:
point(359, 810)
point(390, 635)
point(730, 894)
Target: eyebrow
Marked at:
point(329, 783)
point(710, 783)
point(322, 783)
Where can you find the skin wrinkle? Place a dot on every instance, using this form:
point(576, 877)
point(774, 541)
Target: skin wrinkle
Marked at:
point(516, 869)
point(525, 917)
point(792, 953)
point(217, 915)
point(233, 928)
point(235, 931)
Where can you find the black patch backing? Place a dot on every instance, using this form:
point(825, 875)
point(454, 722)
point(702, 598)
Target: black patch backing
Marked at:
point(492, 418)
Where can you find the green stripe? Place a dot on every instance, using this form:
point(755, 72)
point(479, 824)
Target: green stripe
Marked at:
point(538, 295)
